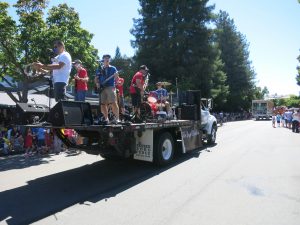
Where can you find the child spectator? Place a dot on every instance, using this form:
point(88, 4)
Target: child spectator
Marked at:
point(273, 120)
point(278, 118)
point(48, 140)
point(283, 120)
point(34, 132)
point(28, 144)
point(18, 142)
point(6, 146)
point(57, 143)
point(41, 139)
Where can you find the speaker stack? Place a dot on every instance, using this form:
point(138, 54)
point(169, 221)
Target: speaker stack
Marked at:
point(66, 113)
point(190, 105)
point(27, 113)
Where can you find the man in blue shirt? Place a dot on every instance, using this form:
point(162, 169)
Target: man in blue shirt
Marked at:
point(105, 81)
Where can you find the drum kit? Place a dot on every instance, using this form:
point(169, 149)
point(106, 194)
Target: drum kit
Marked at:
point(154, 108)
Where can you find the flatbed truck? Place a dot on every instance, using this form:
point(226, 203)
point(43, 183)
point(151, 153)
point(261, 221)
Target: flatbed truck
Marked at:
point(152, 141)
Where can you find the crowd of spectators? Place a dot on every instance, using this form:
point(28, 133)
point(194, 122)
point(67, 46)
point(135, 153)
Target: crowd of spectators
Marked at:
point(223, 117)
point(289, 119)
point(33, 141)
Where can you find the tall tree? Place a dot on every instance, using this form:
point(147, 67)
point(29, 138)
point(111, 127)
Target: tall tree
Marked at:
point(237, 66)
point(27, 41)
point(298, 70)
point(173, 39)
point(127, 67)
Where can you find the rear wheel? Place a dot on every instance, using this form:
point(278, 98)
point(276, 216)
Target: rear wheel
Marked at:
point(164, 149)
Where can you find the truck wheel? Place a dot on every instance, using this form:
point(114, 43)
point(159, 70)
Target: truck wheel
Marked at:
point(164, 149)
point(213, 135)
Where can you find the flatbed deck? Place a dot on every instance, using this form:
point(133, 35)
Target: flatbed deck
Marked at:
point(124, 127)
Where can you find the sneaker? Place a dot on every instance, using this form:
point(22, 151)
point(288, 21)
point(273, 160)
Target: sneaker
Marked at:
point(104, 122)
point(115, 121)
point(137, 120)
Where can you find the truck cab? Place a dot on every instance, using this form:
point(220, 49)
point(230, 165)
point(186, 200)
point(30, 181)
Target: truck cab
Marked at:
point(208, 121)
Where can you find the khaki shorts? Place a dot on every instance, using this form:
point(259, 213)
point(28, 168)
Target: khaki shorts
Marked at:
point(108, 95)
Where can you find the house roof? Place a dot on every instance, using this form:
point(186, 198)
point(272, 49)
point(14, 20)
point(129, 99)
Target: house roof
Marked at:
point(5, 100)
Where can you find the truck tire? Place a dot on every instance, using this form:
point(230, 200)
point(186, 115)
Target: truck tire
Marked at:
point(164, 149)
point(213, 135)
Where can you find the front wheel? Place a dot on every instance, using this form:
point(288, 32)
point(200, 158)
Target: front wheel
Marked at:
point(213, 135)
point(164, 149)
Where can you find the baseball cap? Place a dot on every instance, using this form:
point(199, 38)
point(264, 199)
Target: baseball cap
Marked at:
point(144, 67)
point(77, 61)
point(106, 56)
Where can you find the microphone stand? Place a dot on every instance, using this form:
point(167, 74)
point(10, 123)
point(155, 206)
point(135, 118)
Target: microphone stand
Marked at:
point(50, 91)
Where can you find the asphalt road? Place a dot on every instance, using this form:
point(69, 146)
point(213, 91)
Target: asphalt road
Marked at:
point(252, 176)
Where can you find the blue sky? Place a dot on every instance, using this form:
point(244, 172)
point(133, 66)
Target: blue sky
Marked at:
point(270, 26)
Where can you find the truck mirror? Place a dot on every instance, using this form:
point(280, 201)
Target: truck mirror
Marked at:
point(209, 104)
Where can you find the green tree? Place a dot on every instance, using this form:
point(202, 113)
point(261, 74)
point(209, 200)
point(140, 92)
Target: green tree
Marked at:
point(298, 70)
point(292, 101)
point(220, 90)
point(265, 91)
point(172, 38)
point(28, 41)
point(64, 24)
point(237, 66)
point(21, 43)
point(126, 66)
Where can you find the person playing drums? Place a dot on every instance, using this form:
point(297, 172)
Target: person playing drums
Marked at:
point(162, 96)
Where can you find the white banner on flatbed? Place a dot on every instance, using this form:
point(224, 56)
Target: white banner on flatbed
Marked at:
point(144, 146)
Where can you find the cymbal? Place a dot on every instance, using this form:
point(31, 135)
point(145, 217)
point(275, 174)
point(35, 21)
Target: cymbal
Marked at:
point(165, 83)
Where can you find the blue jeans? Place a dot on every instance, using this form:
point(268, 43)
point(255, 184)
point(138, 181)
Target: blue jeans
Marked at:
point(59, 91)
point(80, 96)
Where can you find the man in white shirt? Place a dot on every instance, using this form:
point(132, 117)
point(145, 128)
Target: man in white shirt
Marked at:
point(61, 67)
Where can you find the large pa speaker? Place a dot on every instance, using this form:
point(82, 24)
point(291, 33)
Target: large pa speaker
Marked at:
point(188, 112)
point(27, 113)
point(190, 97)
point(66, 113)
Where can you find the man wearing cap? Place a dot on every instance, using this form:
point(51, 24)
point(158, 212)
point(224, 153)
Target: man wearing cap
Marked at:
point(81, 80)
point(61, 67)
point(105, 80)
point(137, 90)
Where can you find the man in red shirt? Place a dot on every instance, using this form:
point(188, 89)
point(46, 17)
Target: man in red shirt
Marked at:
point(119, 81)
point(137, 89)
point(81, 80)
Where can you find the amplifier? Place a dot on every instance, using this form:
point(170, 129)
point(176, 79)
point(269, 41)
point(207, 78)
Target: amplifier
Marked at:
point(190, 97)
point(27, 113)
point(188, 112)
point(66, 113)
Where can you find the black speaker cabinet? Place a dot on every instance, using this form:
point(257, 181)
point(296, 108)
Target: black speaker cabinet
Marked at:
point(66, 113)
point(27, 113)
point(190, 97)
point(188, 112)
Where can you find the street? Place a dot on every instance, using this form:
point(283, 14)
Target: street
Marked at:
point(251, 176)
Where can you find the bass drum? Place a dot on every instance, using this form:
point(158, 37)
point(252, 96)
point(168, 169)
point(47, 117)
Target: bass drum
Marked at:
point(146, 111)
